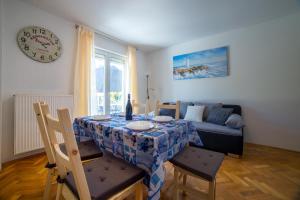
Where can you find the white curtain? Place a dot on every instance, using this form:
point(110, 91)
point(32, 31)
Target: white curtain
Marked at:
point(133, 79)
point(82, 74)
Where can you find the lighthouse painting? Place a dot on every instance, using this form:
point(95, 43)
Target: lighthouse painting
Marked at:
point(201, 64)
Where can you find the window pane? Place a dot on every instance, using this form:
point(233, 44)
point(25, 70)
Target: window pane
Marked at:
point(100, 84)
point(116, 86)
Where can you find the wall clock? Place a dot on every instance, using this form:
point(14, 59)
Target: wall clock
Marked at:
point(39, 44)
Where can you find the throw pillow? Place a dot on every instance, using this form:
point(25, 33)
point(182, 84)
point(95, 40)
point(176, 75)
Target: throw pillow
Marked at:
point(183, 108)
point(194, 113)
point(235, 121)
point(219, 115)
point(208, 108)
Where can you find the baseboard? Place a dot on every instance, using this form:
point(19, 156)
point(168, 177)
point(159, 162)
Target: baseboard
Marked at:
point(24, 155)
point(271, 147)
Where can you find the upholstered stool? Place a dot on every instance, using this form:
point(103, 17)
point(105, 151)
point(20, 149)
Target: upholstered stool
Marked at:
point(199, 163)
point(88, 150)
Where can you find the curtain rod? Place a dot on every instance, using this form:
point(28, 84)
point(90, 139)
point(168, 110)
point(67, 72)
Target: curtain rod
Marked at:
point(104, 35)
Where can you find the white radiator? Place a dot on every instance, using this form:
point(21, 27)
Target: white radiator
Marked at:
point(26, 132)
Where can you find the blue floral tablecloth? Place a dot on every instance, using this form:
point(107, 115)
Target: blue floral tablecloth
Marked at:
point(147, 150)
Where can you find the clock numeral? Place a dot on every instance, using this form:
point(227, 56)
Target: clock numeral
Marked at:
point(42, 57)
point(33, 53)
point(56, 54)
point(23, 39)
point(34, 31)
point(50, 57)
point(51, 35)
point(26, 47)
point(27, 34)
point(56, 41)
point(42, 31)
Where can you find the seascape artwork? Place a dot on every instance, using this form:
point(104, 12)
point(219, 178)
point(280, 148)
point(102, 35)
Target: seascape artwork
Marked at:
point(201, 64)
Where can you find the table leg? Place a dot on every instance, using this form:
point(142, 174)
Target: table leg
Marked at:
point(184, 182)
point(139, 192)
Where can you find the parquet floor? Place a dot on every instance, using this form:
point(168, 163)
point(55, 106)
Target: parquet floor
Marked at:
point(264, 173)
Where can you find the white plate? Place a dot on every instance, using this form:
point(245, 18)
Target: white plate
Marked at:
point(140, 125)
point(163, 118)
point(100, 117)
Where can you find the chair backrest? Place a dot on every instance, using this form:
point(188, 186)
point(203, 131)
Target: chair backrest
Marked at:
point(175, 107)
point(43, 131)
point(72, 161)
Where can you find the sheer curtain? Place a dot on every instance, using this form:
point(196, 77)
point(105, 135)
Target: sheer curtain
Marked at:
point(133, 80)
point(82, 74)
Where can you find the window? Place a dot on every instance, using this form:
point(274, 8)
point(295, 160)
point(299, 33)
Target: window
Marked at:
point(109, 83)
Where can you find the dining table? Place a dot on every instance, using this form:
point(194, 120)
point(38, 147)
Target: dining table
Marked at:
point(147, 149)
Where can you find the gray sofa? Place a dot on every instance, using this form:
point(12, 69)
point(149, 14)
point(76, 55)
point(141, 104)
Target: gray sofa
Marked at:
point(213, 136)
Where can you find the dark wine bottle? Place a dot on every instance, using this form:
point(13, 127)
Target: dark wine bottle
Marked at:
point(128, 113)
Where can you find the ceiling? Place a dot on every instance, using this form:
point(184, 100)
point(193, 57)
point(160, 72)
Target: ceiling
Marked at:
point(153, 24)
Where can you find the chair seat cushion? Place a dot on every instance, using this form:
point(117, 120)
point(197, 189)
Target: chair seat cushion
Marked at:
point(107, 176)
point(87, 149)
point(215, 128)
point(201, 162)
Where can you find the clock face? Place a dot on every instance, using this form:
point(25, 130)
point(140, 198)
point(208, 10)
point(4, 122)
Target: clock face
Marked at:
point(39, 44)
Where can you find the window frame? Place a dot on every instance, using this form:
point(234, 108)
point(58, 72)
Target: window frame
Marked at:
point(108, 57)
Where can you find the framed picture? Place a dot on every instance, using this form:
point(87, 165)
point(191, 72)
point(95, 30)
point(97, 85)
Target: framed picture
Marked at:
point(201, 64)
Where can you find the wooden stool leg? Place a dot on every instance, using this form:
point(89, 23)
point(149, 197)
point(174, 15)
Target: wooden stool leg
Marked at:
point(184, 179)
point(176, 184)
point(184, 182)
point(139, 192)
point(212, 189)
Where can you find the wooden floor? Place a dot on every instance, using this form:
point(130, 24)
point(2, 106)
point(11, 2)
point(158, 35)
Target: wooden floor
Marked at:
point(263, 173)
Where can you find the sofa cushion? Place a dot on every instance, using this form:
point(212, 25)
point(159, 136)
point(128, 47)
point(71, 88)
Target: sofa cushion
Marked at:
point(87, 149)
point(107, 176)
point(237, 109)
point(219, 115)
point(208, 108)
point(183, 108)
point(201, 162)
point(215, 128)
point(235, 121)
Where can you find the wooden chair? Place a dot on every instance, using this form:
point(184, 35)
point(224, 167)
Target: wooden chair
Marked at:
point(175, 107)
point(51, 165)
point(88, 149)
point(103, 178)
point(198, 163)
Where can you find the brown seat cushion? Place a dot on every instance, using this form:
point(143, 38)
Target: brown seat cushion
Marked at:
point(201, 162)
point(87, 149)
point(107, 176)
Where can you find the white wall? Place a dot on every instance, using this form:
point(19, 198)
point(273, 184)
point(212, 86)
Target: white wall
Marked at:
point(264, 79)
point(23, 75)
